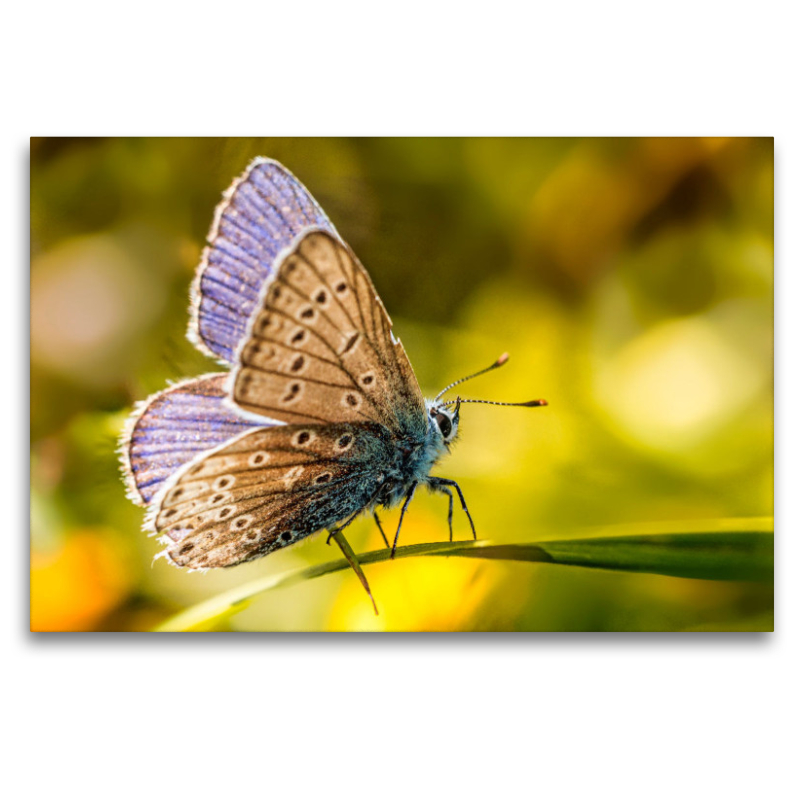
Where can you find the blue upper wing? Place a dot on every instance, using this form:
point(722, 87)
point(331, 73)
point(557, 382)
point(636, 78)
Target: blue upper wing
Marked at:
point(261, 214)
point(173, 427)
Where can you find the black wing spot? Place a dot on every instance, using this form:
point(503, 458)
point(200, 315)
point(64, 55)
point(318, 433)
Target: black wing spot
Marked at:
point(291, 395)
point(299, 337)
point(321, 297)
point(350, 343)
point(286, 536)
point(297, 364)
point(324, 478)
point(186, 548)
point(341, 287)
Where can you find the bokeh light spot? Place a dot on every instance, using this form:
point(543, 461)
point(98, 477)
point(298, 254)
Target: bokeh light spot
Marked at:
point(677, 384)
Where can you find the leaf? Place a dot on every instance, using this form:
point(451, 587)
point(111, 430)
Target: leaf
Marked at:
point(722, 550)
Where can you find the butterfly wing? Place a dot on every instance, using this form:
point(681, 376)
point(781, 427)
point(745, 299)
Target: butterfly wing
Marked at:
point(320, 346)
point(266, 489)
point(260, 215)
point(312, 346)
point(173, 427)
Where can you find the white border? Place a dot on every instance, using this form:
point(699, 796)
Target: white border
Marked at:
point(484, 716)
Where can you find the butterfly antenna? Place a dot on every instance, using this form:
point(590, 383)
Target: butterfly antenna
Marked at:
point(499, 363)
point(528, 404)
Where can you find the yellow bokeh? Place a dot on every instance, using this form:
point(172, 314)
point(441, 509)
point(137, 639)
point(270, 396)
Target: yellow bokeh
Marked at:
point(679, 383)
point(426, 594)
point(77, 584)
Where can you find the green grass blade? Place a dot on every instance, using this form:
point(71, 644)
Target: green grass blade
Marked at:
point(724, 550)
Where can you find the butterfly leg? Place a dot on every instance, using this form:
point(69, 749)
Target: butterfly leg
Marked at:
point(336, 528)
point(441, 484)
point(449, 494)
point(337, 535)
point(409, 496)
point(380, 527)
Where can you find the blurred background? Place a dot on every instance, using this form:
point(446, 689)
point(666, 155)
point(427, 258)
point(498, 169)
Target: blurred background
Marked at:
point(631, 280)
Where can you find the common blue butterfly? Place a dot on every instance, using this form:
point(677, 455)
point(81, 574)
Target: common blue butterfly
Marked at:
point(320, 417)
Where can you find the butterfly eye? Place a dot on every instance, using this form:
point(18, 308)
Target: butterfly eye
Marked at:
point(444, 423)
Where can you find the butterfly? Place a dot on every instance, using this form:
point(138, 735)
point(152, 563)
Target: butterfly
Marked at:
point(318, 419)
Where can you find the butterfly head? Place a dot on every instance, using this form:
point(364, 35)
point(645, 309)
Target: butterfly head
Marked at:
point(444, 420)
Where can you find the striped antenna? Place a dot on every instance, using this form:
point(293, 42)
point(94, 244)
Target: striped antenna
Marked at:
point(499, 363)
point(528, 404)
